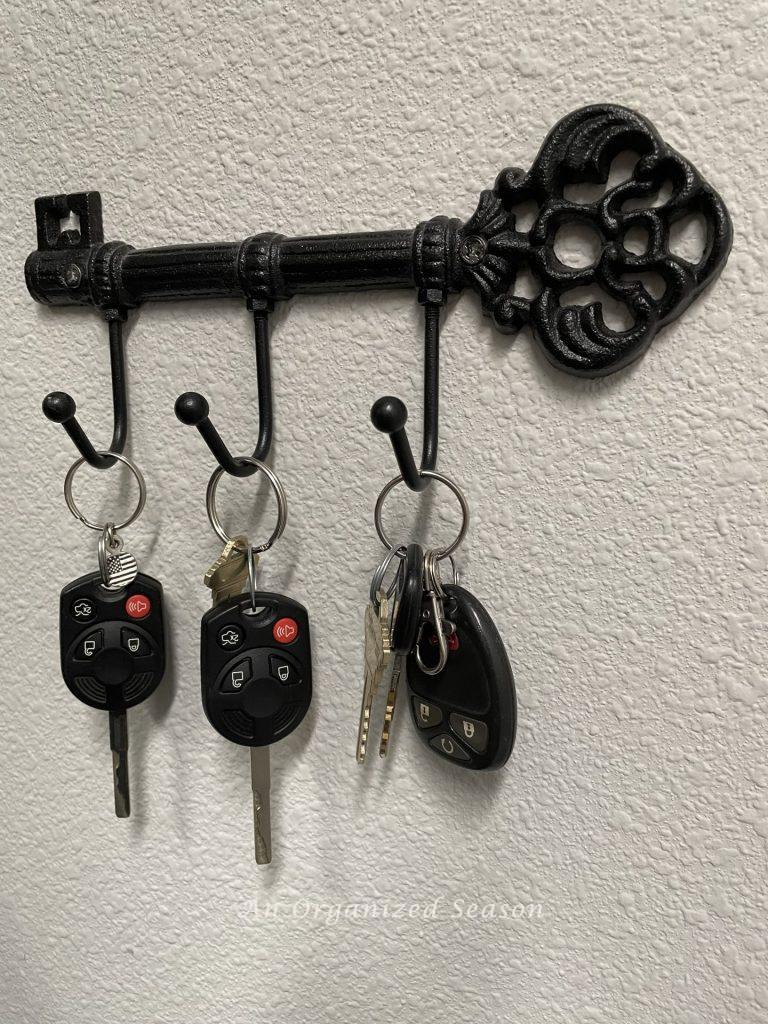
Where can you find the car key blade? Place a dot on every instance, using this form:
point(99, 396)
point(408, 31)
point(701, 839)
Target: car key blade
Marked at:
point(262, 822)
point(118, 741)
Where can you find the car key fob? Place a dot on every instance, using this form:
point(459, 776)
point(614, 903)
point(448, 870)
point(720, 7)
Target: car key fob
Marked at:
point(113, 655)
point(256, 668)
point(468, 712)
point(112, 641)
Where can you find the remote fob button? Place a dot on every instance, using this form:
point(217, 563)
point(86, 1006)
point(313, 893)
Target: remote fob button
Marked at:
point(89, 645)
point(452, 640)
point(450, 747)
point(113, 666)
point(134, 644)
point(237, 677)
point(283, 670)
point(426, 714)
point(82, 609)
point(138, 606)
point(472, 732)
point(264, 698)
point(231, 637)
point(285, 631)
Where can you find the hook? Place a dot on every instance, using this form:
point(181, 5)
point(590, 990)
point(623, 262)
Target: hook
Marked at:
point(192, 409)
point(60, 407)
point(389, 414)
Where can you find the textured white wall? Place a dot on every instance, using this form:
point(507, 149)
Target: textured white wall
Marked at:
point(618, 535)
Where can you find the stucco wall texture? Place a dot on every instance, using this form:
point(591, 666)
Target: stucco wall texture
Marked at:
point(618, 536)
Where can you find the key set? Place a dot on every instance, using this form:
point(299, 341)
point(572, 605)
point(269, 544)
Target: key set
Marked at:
point(112, 635)
point(461, 689)
point(433, 638)
point(255, 657)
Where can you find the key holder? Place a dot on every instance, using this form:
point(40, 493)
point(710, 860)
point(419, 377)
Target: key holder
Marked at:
point(440, 256)
point(390, 414)
point(69, 229)
point(192, 408)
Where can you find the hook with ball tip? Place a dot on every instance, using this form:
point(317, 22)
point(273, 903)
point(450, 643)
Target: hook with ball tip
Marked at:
point(192, 409)
point(60, 407)
point(389, 414)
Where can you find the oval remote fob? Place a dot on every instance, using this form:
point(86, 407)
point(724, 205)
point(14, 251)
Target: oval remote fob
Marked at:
point(467, 713)
point(256, 669)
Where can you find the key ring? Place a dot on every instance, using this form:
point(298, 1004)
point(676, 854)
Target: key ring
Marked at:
point(277, 487)
point(396, 551)
point(108, 542)
point(72, 506)
point(440, 553)
point(252, 561)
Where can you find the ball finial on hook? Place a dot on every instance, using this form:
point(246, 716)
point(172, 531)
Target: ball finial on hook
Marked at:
point(389, 414)
point(59, 407)
point(191, 408)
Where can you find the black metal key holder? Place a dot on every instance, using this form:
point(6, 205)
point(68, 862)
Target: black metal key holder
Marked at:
point(440, 256)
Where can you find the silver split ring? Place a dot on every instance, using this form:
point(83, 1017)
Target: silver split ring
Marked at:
point(72, 505)
point(440, 553)
point(277, 487)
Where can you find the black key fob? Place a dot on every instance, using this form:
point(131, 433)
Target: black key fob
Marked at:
point(112, 641)
point(408, 600)
point(468, 712)
point(256, 669)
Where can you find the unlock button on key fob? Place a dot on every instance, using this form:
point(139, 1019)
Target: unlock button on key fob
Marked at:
point(472, 732)
point(281, 669)
point(134, 644)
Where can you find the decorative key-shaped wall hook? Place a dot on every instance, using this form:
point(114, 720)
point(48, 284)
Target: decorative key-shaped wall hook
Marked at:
point(441, 255)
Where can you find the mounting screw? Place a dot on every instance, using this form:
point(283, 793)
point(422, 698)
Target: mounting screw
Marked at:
point(72, 276)
point(473, 249)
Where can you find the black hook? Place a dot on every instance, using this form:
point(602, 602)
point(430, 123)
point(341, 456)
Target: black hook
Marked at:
point(60, 407)
point(192, 408)
point(389, 414)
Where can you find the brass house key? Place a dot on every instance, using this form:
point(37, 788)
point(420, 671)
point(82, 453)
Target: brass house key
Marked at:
point(377, 652)
point(229, 573)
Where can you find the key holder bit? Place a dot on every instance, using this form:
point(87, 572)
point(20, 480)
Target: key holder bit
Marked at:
point(69, 228)
point(192, 409)
point(486, 253)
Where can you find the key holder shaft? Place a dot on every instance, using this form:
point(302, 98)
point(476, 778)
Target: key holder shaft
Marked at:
point(192, 409)
point(440, 256)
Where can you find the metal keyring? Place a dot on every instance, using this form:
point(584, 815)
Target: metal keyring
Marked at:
point(108, 542)
point(277, 487)
point(440, 553)
point(71, 505)
point(377, 581)
point(252, 560)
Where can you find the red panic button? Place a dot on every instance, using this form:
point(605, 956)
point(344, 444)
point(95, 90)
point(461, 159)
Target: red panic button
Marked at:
point(138, 606)
point(285, 631)
point(453, 641)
